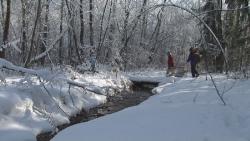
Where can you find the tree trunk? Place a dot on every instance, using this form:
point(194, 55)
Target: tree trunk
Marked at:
point(44, 40)
point(60, 56)
point(70, 46)
point(38, 13)
point(112, 32)
point(2, 12)
point(82, 24)
point(24, 30)
point(6, 29)
point(72, 35)
point(144, 25)
point(91, 19)
point(219, 58)
point(125, 27)
point(214, 20)
point(100, 47)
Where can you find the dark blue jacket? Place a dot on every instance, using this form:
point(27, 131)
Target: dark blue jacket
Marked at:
point(192, 58)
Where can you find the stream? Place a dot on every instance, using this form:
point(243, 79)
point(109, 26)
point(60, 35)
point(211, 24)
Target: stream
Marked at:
point(139, 92)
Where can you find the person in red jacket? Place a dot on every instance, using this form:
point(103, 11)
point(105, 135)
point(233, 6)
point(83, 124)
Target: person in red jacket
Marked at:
point(170, 70)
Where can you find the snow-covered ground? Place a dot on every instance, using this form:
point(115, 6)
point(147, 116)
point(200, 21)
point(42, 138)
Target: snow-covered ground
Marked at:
point(187, 110)
point(148, 76)
point(28, 108)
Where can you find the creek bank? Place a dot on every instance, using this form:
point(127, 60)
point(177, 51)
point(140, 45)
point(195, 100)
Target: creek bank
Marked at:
point(139, 92)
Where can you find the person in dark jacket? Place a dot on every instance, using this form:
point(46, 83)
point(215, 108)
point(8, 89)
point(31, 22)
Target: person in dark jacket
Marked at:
point(193, 58)
point(170, 69)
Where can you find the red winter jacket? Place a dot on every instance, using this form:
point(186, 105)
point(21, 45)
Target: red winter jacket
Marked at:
point(170, 61)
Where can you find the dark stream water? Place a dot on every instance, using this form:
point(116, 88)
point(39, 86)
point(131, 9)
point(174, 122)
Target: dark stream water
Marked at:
point(138, 93)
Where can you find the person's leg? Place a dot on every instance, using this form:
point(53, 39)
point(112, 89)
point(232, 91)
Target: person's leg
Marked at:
point(92, 67)
point(167, 72)
point(193, 70)
point(172, 71)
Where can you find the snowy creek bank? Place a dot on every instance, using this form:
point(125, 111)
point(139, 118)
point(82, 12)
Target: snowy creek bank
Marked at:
point(139, 92)
point(35, 101)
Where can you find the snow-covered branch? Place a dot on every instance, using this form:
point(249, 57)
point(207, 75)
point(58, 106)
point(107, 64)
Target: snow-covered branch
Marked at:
point(49, 48)
point(91, 88)
point(41, 74)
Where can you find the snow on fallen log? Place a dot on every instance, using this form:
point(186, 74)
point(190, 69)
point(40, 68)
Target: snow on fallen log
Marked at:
point(91, 88)
point(46, 75)
point(8, 65)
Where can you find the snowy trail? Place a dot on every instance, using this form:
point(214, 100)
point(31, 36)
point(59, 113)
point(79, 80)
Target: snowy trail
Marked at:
point(188, 110)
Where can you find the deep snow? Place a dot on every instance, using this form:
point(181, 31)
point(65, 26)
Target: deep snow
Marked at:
point(187, 110)
point(27, 109)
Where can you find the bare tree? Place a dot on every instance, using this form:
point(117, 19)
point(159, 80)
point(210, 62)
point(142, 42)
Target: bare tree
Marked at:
point(73, 42)
point(38, 14)
point(102, 50)
point(60, 51)
point(2, 11)
point(82, 23)
point(24, 29)
point(101, 36)
point(91, 21)
point(154, 37)
point(112, 32)
point(144, 24)
point(6, 29)
point(44, 41)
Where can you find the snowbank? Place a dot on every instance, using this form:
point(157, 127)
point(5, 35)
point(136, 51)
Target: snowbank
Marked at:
point(29, 108)
point(188, 110)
